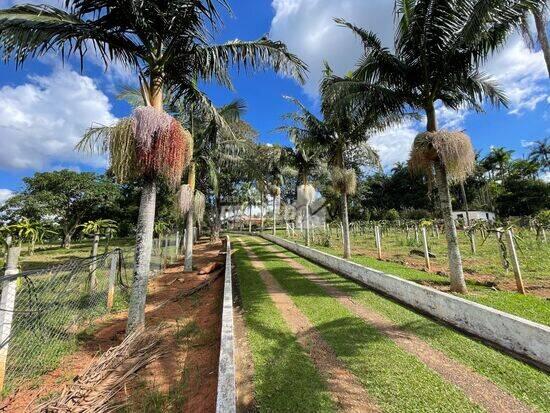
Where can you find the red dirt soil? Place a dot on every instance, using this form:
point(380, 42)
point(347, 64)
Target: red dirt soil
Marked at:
point(190, 343)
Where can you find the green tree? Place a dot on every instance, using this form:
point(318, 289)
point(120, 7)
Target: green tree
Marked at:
point(540, 153)
point(439, 48)
point(166, 44)
point(68, 197)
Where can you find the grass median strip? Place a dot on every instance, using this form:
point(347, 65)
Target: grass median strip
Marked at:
point(285, 379)
point(397, 380)
point(517, 378)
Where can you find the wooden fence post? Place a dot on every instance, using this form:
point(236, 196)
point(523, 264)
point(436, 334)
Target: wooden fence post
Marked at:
point(426, 249)
point(515, 261)
point(416, 239)
point(378, 240)
point(112, 280)
point(92, 280)
point(7, 307)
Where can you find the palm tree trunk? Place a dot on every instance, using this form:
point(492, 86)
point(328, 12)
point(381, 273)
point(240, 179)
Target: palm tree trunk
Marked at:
point(543, 37)
point(274, 216)
point(144, 234)
point(262, 211)
point(144, 243)
point(455, 261)
point(189, 240)
point(250, 217)
point(345, 227)
point(465, 200)
point(307, 224)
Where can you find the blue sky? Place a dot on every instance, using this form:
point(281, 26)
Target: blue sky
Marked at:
point(45, 106)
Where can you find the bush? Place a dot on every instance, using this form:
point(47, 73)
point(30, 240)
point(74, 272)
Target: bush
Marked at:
point(391, 215)
point(415, 214)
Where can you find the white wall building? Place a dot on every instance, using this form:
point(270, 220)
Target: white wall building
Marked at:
point(474, 215)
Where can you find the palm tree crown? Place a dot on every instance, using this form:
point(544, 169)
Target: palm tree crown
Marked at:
point(165, 40)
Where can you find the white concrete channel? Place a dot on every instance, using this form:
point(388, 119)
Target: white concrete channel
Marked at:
point(520, 336)
point(226, 394)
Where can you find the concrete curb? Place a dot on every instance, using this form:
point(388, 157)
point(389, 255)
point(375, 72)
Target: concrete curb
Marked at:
point(226, 396)
point(518, 335)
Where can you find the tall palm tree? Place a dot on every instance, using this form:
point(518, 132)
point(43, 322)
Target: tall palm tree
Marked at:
point(304, 158)
point(540, 153)
point(439, 48)
point(341, 132)
point(501, 158)
point(165, 42)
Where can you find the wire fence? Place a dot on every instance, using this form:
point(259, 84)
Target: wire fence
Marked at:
point(44, 312)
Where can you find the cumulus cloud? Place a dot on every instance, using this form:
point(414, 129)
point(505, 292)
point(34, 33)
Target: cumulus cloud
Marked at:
point(43, 119)
point(307, 27)
point(5, 194)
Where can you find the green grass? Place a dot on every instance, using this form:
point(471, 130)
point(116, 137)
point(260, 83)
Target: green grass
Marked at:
point(526, 383)
point(531, 307)
point(396, 379)
point(285, 379)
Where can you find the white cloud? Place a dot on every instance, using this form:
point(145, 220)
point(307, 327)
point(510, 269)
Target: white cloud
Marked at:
point(308, 29)
point(394, 145)
point(522, 74)
point(42, 120)
point(5, 194)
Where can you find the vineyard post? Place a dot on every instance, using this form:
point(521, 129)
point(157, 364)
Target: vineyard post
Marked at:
point(7, 307)
point(112, 279)
point(515, 261)
point(378, 240)
point(426, 250)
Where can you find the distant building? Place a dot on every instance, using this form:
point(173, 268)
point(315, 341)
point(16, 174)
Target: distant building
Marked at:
point(474, 216)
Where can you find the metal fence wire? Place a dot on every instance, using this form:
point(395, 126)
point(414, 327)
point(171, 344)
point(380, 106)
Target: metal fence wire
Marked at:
point(54, 306)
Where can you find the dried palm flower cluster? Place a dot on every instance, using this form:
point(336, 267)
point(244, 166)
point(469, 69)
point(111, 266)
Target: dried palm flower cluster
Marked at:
point(199, 206)
point(95, 390)
point(148, 144)
point(306, 194)
point(453, 149)
point(344, 181)
point(275, 190)
point(184, 199)
point(162, 144)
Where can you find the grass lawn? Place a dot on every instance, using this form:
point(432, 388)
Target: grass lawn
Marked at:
point(525, 383)
point(395, 379)
point(531, 307)
point(285, 379)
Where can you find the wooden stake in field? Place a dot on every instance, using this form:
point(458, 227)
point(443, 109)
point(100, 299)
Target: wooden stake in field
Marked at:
point(112, 280)
point(426, 250)
point(378, 240)
point(515, 261)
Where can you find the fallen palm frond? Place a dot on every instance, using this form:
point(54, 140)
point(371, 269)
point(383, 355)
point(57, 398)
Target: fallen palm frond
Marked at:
point(95, 390)
point(453, 150)
point(199, 206)
point(306, 194)
point(184, 199)
point(344, 181)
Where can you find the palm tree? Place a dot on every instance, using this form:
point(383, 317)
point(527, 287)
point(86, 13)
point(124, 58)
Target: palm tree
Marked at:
point(439, 48)
point(341, 133)
point(501, 157)
point(540, 153)
point(304, 159)
point(165, 43)
point(540, 17)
